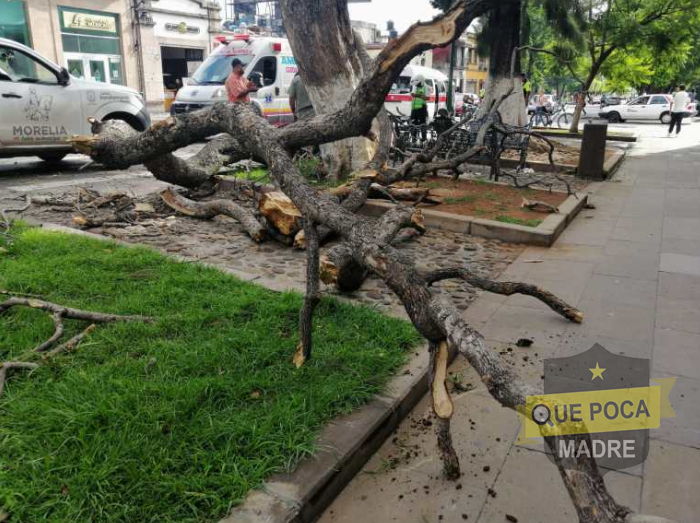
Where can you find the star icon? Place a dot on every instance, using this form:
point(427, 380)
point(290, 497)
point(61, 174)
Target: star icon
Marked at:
point(597, 372)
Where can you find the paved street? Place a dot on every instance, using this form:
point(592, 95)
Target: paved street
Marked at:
point(633, 266)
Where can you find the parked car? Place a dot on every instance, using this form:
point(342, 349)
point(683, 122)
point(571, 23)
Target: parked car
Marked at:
point(647, 107)
point(42, 105)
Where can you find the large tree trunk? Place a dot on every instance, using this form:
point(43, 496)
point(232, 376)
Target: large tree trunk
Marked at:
point(328, 55)
point(506, 18)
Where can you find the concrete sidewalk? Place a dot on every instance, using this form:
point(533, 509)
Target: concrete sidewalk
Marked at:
point(633, 266)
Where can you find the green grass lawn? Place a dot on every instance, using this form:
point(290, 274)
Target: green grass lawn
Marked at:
point(173, 421)
point(533, 222)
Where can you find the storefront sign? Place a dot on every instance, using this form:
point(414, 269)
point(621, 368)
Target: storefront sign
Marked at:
point(91, 22)
point(182, 28)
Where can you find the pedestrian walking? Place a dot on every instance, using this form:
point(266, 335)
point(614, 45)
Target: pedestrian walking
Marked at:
point(238, 87)
point(678, 109)
point(419, 105)
point(299, 99)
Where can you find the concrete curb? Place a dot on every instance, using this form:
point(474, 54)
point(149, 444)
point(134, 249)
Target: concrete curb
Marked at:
point(544, 235)
point(613, 163)
point(344, 447)
point(579, 136)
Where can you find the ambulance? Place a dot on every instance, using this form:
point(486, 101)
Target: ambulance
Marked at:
point(267, 58)
point(42, 105)
point(270, 61)
point(398, 101)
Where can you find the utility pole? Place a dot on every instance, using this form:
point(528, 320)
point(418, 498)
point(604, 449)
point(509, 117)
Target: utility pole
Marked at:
point(450, 83)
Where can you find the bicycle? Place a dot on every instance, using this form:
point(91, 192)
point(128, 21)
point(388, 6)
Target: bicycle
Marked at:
point(560, 117)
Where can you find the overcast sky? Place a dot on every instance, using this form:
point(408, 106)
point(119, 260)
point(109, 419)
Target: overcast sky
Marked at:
point(402, 12)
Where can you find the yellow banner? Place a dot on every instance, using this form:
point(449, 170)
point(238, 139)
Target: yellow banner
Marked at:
point(595, 411)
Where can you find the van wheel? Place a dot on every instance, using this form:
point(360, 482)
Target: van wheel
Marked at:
point(52, 157)
point(614, 117)
point(666, 118)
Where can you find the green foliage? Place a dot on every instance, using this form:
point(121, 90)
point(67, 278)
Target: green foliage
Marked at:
point(172, 421)
point(630, 45)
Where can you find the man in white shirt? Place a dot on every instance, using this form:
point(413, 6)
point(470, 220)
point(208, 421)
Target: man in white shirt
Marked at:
point(678, 109)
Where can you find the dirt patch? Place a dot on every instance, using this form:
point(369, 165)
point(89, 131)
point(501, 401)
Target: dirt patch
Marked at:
point(563, 154)
point(489, 200)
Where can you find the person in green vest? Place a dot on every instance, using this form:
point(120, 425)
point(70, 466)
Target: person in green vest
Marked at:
point(419, 105)
point(482, 94)
point(527, 88)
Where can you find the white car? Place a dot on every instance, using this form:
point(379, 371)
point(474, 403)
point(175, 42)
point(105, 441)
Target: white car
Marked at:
point(647, 107)
point(42, 106)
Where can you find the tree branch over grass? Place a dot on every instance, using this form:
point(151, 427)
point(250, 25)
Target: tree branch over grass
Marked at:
point(58, 314)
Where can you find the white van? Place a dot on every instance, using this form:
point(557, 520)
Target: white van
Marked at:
point(272, 58)
point(42, 106)
point(398, 101)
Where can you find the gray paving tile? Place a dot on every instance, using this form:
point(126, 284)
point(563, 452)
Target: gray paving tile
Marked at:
point(684, 428)
point(564, 270)
point(617, 320)
point(618, 289)
point(672, 482)
point(679, 246)
point(676, 352)
point(683, 315)
point(679, 286)
point(585, 340)
point(547, 498)
point(630, 248)
point(642, 266)
point(636, 234)
point(682, 228)
point(680, 263)
point(508, 324)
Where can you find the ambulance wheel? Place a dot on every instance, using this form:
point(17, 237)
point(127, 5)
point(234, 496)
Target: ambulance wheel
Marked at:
point(52, 157)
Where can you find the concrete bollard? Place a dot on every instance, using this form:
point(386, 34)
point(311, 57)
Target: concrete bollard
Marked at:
point(592, 159)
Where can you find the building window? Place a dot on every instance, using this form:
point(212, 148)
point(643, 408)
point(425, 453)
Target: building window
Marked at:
point(13, 21)
point(91, 44)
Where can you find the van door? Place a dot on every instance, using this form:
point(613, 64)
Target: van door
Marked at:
point(268, 94)
point(288, 68)
point(430, 86)
point(35, 108)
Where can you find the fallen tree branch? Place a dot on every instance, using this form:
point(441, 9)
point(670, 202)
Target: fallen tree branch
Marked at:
point(210, 209)
point(67, 312)
point(506, 289)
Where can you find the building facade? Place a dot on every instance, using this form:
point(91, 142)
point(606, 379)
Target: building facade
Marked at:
point(175, 37)
point(149, 45)
point(476, 68)
point(91, 38)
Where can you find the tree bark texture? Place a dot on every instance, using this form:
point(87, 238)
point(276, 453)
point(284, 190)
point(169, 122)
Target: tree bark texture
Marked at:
point(506, 17)
point(327, 53)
